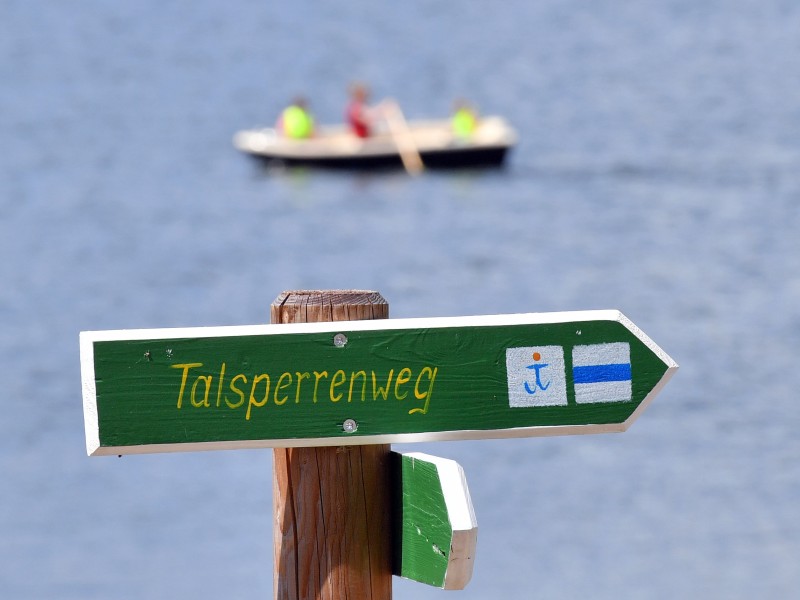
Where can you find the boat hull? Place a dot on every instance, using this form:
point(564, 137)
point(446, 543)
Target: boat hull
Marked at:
point(336, 148)
point(433, 159)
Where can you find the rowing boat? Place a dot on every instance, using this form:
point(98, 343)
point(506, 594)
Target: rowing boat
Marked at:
point(336, 147)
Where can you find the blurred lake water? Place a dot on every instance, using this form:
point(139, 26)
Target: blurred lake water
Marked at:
point(657, 173)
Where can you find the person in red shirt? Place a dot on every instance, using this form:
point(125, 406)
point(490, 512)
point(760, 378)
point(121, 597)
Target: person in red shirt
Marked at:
point(358, 113)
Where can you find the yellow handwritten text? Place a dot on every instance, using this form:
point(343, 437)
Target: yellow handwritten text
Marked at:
point(196, 386)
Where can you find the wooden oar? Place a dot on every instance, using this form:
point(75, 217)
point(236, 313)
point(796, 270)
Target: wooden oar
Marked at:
point(401, 134)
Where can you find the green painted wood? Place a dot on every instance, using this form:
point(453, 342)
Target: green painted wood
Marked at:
point(435, 531)
point(148, 391)
point(425, 532)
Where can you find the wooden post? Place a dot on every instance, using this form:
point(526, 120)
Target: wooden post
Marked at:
point(331, 505)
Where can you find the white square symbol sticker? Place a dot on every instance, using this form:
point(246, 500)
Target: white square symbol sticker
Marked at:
point(536, 376)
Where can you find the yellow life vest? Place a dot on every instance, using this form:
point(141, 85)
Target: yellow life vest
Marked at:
point(297, 123)
point(464, 122)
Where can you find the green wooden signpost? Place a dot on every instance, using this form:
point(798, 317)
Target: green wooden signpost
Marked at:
point(329, 389)
point(366, 382)
point(436, 531)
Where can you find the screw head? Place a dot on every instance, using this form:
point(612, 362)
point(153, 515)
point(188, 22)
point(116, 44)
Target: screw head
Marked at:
point(340, 340)
point(350, 426)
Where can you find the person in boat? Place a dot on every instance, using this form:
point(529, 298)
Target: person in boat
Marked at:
point(296, 122)
point(358, 114)
point(464, 120)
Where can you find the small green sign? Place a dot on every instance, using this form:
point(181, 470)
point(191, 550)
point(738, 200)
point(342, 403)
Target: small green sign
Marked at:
point(366, 382)
point(436, 532)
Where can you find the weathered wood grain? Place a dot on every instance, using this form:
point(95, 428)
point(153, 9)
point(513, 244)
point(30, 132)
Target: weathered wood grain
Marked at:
point(332, 530)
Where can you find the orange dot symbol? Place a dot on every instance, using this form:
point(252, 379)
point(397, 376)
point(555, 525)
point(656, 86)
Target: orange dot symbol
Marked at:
point(537, 356)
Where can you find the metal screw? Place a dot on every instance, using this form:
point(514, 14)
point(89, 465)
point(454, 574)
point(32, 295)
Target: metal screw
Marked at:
point(339, 340)
point(350, 426)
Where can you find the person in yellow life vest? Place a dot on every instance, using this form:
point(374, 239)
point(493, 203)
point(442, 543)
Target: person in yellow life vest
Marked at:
point(464, 119)
point(296, 121)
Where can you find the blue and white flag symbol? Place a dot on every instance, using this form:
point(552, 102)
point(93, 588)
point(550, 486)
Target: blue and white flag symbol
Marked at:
point(602, 373)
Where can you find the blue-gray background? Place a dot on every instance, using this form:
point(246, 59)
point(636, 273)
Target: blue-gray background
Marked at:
point(658, 172)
